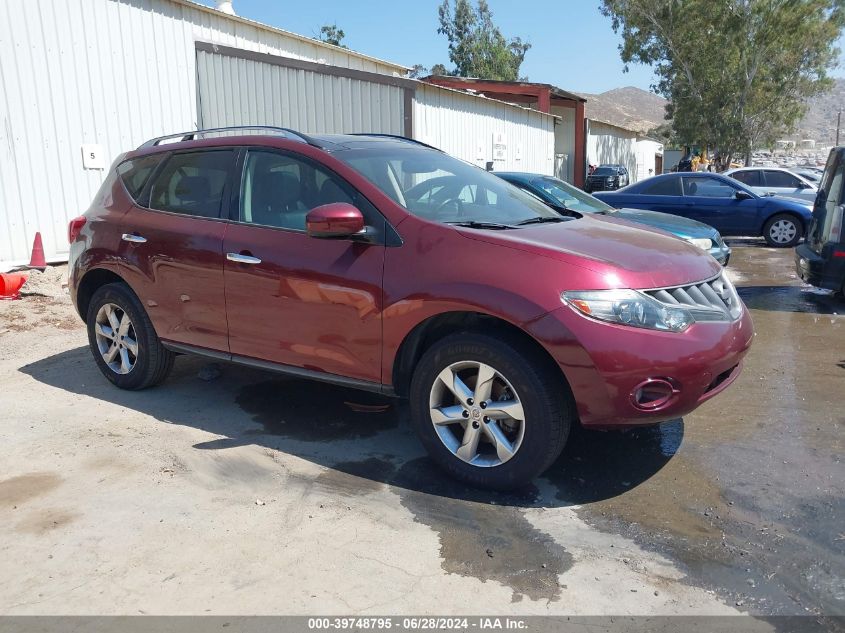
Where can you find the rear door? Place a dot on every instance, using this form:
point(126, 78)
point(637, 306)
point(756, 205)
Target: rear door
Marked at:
point(661, 194)
point(292, 299)
point(713, 200)
point(172, 247)
point(826, 230)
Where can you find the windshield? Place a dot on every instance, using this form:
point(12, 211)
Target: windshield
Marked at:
point(437, 187)
point(605, 171)
point(570, 197)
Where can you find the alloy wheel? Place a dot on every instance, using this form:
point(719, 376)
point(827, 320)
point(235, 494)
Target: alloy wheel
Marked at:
point(477, 413)
point(783, 231)
point(116, 340)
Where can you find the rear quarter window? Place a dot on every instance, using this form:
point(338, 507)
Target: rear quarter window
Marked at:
point(135, 172)
point(750, 178)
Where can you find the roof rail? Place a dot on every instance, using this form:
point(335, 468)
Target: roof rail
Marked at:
point(194, 134)
point(400, 138)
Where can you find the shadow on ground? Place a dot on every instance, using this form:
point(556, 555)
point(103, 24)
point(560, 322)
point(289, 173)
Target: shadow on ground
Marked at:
point(358, 433)
point(791, 299)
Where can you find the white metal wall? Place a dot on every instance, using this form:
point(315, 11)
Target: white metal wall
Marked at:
point(463, 125)
point(609, 144)
point(106, 72)
point(646, 152)
point(565, 141)
point(237, 91)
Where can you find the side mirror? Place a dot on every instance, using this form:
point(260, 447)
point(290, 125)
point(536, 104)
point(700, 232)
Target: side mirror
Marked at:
point(804, 185)
point(742, 195)
point(335, 220)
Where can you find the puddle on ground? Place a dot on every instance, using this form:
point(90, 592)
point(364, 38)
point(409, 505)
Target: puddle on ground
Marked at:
point(360, 478)
point(483, 535)
point(790, 299)
point(314, 411)
point(22, 488)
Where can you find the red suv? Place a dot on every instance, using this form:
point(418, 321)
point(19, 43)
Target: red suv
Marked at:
point(336, 258)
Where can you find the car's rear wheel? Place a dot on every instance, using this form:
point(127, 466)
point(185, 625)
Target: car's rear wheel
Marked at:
point(123, 341)
point(782, 231)
point(489, 411)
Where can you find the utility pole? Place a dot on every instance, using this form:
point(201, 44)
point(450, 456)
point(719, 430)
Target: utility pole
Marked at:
point(838, 123)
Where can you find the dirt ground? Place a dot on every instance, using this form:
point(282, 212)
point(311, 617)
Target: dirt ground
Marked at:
point(246, 493)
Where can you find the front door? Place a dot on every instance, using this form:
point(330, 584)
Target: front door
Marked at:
point(300, 301)
point(171, 252)
point(714, 202)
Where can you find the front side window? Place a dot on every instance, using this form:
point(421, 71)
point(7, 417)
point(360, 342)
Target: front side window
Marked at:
point(670, 186)
point(192, 183)
point(435, 186)
point(279, 190)
point(781, 179)
point(707, 188)
point(750, 178)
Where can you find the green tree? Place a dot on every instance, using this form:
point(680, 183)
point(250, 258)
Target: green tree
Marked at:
point(330, 34)
point(477, 47)
point(737, 73)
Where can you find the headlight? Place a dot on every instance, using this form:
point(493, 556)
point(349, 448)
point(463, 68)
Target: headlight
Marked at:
point(702, 242)
point(629, 307)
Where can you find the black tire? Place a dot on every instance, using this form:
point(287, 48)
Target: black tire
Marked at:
point(153, 362)
point(783, 218)
point(547, 403)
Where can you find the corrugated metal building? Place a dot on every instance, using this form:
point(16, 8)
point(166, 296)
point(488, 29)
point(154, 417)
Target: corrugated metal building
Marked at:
point(84, 80)
point(611, 144)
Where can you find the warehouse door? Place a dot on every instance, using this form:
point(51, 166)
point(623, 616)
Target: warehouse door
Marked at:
point(240, 87)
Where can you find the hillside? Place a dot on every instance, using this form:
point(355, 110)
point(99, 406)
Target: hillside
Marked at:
point(642, 111)
point(627, 107)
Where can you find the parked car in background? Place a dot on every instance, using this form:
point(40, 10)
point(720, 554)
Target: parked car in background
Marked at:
point(814, 176)
point(776, 180)
point(820, 260)
point(607, 178)
point(329, 258)
point(723, 203)
point(567, 199)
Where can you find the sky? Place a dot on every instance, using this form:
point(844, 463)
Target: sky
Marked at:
point(572, 44)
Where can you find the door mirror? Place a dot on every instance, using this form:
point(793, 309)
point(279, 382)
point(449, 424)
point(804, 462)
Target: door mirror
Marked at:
point(742, 195)
point(804, 185)
point(335, 220)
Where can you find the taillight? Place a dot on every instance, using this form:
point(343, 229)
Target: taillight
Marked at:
point(74, 228)
point(834, 234)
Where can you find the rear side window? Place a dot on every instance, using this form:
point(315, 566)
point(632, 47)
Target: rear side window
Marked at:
point(192, 183)
point(750, 178)
point(664, 187)
point(781, 179)
point(135, 172)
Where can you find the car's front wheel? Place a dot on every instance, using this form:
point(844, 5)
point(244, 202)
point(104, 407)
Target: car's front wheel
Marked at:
point(488, 411)
point(123, 341)
point(782, 231)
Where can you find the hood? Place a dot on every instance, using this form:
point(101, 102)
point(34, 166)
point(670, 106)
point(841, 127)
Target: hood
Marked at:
point(675, 224)
point(625, 255)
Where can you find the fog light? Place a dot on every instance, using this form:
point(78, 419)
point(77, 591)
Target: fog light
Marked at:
point(654, 393)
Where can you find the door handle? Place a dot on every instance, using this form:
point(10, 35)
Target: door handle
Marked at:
point(242, 259)
point(131, 237)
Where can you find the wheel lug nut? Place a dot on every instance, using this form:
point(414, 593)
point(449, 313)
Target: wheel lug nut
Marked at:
point(475, 425)
point(469, 401)
point(486, 420)
point(465, 413)
point(483, 405)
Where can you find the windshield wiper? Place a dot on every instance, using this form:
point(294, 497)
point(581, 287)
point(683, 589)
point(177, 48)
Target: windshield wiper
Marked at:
point(475, 224)
point(540, 220)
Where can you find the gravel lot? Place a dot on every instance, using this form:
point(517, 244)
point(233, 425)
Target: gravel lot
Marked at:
point(228, 490)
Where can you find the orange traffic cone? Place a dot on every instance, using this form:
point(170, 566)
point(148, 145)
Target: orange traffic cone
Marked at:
point(37, 259)
point(10, 285)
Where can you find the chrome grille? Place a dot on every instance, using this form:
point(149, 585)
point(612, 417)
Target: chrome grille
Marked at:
point(716, 298)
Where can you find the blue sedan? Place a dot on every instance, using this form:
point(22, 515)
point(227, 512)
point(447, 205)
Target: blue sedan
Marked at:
point(723, 203)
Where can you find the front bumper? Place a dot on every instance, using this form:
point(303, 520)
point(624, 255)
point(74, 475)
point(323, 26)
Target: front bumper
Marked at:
point(721, 253)
point(606, 364)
